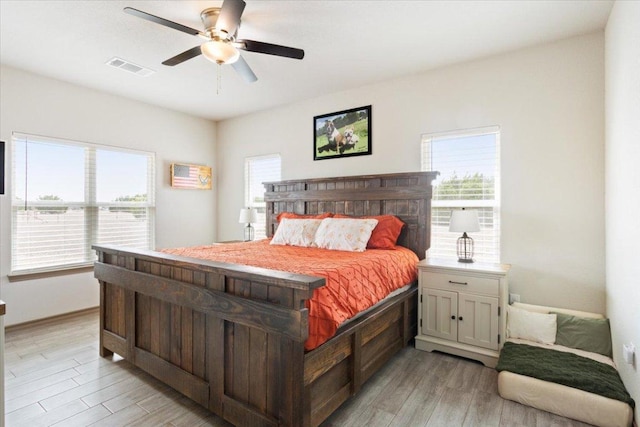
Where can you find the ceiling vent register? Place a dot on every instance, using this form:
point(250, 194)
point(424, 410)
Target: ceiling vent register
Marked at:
point(125, 65)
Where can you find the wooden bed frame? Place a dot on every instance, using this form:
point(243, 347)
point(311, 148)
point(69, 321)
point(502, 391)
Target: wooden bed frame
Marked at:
point(231, 337)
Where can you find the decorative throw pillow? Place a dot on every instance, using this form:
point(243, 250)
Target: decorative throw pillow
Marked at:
point(293, 215)
point(296, 232)
point(386, 233)
point(531, 326)
point(345, 234)
point(592, 335)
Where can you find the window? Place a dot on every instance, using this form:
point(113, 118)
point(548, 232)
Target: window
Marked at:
point(69, 195)
point(469, 166)
point(256, 171)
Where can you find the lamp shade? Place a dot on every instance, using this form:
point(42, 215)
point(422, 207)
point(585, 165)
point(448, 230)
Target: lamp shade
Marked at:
point(220, 52)
point(464, 221)
point(248, 215)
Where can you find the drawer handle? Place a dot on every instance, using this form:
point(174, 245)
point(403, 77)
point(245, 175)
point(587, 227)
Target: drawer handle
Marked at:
point(457, 283)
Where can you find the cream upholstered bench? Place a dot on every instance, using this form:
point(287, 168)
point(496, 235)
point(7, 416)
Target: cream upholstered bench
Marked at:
point(549, 396)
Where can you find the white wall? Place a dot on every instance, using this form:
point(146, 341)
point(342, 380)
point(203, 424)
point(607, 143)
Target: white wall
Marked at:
point(622, 177)
point(548, 101)
point(38, 105)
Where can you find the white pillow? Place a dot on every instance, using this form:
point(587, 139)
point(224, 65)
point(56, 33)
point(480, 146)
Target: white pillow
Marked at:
point(528, 325)
point(296, 232)
point(345, 234)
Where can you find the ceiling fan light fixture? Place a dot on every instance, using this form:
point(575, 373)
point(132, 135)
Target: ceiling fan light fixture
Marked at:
point(220, 52)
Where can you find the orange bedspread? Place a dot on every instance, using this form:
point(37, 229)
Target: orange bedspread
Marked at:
point(355, 281)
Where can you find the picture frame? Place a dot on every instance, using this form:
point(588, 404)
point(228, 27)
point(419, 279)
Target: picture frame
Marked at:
point(188, 176)
point(344, 133)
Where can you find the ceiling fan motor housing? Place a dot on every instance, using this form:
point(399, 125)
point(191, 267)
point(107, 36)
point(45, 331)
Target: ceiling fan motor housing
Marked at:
point(209, 19)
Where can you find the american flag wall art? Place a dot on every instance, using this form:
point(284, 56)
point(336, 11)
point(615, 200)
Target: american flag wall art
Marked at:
point(190, 176)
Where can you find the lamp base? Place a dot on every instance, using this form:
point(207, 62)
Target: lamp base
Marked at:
point(248, 233)
point(465, 248)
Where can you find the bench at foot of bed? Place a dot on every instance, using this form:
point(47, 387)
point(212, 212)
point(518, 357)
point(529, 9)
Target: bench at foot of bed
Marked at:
point(573, 381)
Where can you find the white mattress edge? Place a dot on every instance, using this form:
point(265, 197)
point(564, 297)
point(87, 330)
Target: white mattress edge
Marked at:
point(564, 401)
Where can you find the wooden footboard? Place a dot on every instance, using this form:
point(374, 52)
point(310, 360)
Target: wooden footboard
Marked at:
point(232, 338)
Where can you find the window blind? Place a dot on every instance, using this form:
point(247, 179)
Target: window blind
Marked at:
point(469, 166)
point(257, 170)
point(68, 195)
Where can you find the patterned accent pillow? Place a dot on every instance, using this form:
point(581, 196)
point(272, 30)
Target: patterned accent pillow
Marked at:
point(345, 234)
point(386, 233)
point(296, 232)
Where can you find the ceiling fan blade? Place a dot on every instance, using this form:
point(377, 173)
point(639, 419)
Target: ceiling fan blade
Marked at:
point(230, 13)
point(162, 21)
point(270, 49)
point(244, 70)
point(180, 58)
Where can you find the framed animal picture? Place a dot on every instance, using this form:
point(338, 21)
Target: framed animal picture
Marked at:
point(342, 134)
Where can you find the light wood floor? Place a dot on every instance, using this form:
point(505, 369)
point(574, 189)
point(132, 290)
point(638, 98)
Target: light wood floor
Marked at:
point(54, 376)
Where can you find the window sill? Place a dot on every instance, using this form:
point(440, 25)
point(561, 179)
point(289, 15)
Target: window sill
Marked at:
point(43, 274)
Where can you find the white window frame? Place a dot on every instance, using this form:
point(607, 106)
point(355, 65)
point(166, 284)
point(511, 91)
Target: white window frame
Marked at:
point(251, 180)
point(90, 205)
point(487, 241)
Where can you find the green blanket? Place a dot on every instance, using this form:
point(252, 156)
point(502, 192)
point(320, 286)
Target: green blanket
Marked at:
point(563, 368)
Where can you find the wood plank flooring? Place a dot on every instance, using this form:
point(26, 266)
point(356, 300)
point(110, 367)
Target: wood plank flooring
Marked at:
point(54, 376)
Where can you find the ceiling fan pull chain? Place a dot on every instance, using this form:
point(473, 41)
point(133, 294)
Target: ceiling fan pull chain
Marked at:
point(219, 80)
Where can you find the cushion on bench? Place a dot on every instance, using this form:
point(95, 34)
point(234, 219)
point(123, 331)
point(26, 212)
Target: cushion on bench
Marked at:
point(563, 368)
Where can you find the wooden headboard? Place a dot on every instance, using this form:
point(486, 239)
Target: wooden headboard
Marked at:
point(405, 195)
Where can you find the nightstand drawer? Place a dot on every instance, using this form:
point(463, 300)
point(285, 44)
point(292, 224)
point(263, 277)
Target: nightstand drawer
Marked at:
point(460, 283)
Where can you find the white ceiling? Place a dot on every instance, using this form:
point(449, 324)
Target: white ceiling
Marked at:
point(347, 44)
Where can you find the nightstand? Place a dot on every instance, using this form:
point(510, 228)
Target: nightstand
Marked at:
point(462, 307)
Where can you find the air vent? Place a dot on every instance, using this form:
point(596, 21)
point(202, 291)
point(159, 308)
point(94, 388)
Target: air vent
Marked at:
point(130, 67)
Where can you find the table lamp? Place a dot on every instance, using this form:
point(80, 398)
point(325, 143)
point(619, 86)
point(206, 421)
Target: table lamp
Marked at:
point(464, 221)
point(247, 216)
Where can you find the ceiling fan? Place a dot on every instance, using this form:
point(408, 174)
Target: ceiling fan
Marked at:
point(220, 30)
